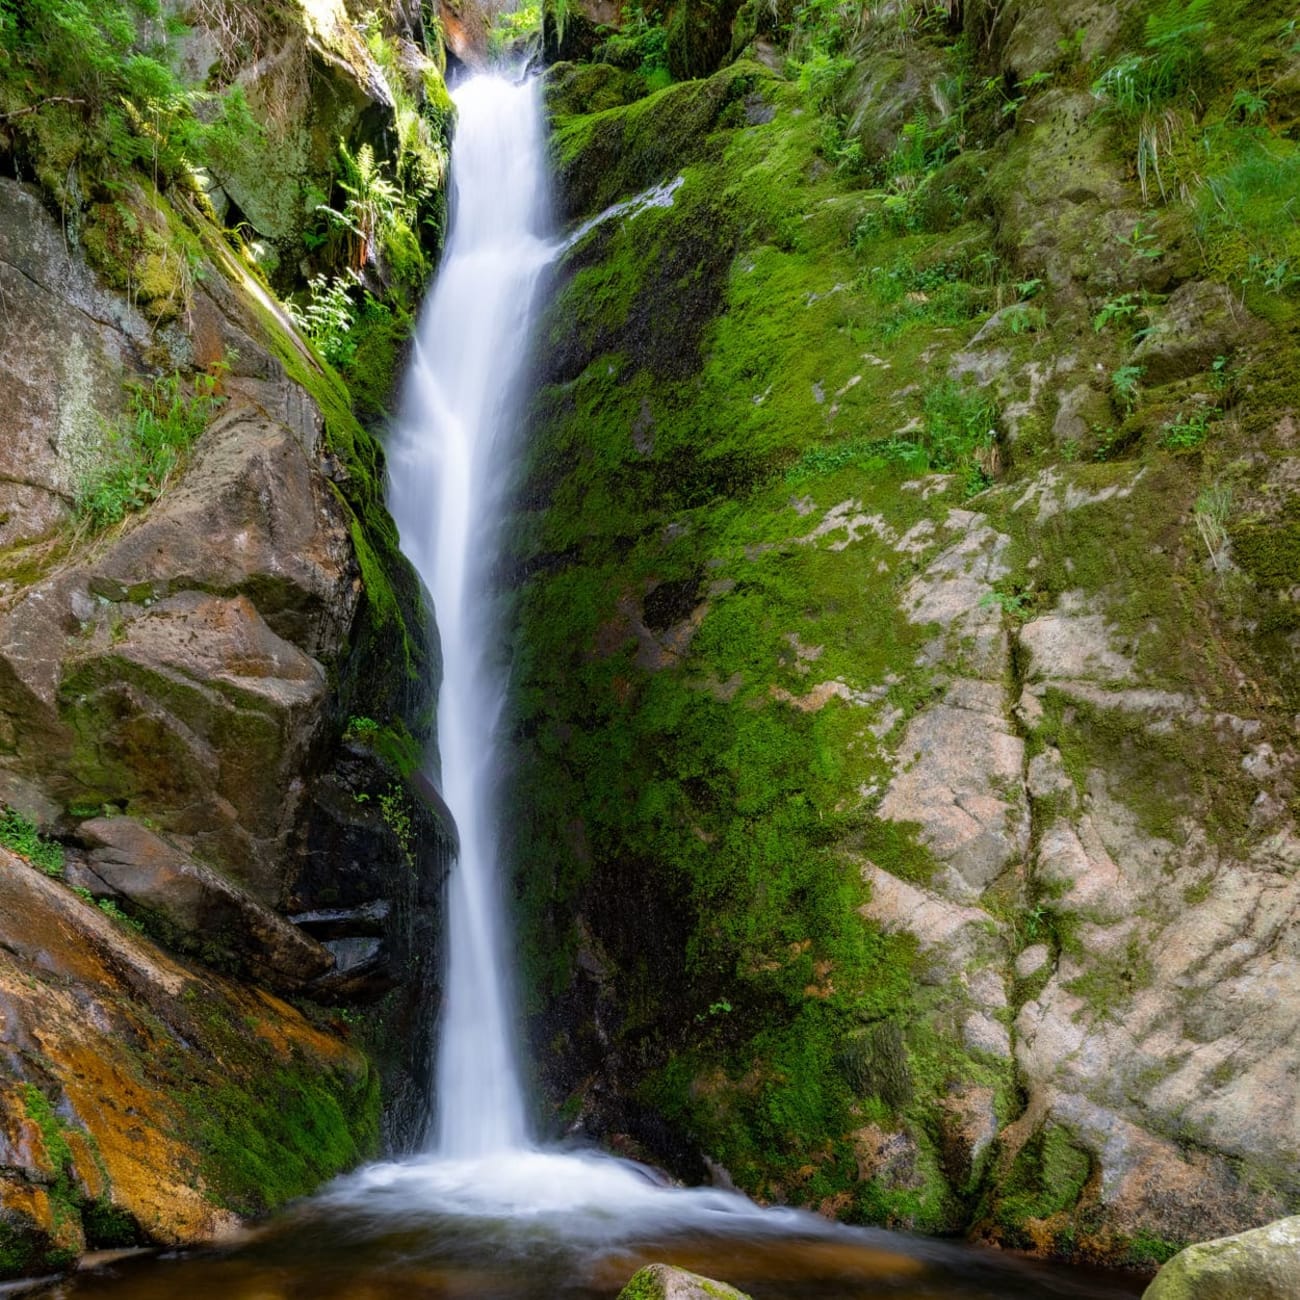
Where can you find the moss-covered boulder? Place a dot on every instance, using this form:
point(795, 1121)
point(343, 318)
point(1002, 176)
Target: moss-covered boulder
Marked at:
point(662, 1282)
point(1262, 1263)
point(144, 1100)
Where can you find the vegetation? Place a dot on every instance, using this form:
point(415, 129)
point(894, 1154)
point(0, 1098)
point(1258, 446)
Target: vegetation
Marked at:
point(20, 836)
point(148, 446)
point(87, 90)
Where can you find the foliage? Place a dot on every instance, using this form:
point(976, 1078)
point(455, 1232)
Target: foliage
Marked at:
point(1188, 432)
point(114, 913)
point(1211, 513)
point(1247, 213)
point(329, 315)
point(640, 45)
point(512, 27)
point(147, 446)
point(1125, 384)
point(20, 836)
point(373, 205)
point(87, 86)
point(1146, 90)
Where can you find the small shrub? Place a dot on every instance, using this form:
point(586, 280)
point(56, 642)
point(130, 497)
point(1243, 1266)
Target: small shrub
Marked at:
point(1124, 384)
point(329, 316)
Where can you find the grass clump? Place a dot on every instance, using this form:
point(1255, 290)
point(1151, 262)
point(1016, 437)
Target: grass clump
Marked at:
point(20, 836)
point(147, 447)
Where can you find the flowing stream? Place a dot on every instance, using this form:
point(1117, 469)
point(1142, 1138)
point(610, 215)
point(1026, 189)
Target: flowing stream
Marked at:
point(485, 1211)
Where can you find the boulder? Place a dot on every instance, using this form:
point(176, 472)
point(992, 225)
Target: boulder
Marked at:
point(663, 1282)
point(1262, 1264)
point(145, 1099)
point(205, 909)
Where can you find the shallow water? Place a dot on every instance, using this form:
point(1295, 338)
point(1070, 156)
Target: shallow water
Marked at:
point(546, 1225)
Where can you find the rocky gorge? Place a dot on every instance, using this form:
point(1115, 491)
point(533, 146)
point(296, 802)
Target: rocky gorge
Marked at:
point(903, 576)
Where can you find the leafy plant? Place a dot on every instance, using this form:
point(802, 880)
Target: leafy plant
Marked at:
point(20, 836)
point(114, 913)
point(147, 446)
point(1188, 432)
point(329, 316)
point(374, 203)
point(1124, 383)
point(1124, 310)
point(1142, 243)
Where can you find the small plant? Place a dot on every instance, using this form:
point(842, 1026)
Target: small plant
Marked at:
point(20, 836)
point(1015, 604)
point(1142, 243)
point(147, 446)
point(373, 206)
point(1124, 384)
point(1249, 105)
point(1211, 513)
point(1021, 318)
point(1123, 310)
point(715, 1009)
point(114, 913)
point(361, 729)
point(329, 316)
point(1188, 432)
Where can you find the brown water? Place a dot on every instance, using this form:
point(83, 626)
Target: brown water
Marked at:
point(576, 1228)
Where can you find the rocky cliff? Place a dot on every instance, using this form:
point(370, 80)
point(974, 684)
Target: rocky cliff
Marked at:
point(906, 577)
point(217, 672)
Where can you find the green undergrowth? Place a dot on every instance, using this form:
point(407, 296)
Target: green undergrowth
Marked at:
point(19, 835)
point(147, 447)
point(87, 90)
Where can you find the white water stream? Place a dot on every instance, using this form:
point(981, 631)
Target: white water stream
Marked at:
point(449, 466)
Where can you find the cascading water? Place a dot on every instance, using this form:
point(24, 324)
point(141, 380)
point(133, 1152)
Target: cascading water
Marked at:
point(484, 1213)
point(448, 466)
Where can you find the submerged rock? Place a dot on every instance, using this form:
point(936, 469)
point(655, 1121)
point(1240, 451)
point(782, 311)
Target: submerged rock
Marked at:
point(1263, 1264)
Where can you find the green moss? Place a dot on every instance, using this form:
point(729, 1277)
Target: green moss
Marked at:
point(268, 1141)
point(1047, 1177)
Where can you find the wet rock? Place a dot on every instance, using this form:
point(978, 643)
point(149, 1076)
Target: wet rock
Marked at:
point(663, 1282)
point(1262, 1264)
point(199, 907)
point(131, 1080)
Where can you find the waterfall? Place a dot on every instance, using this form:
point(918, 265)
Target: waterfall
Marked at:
point(449, 464)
